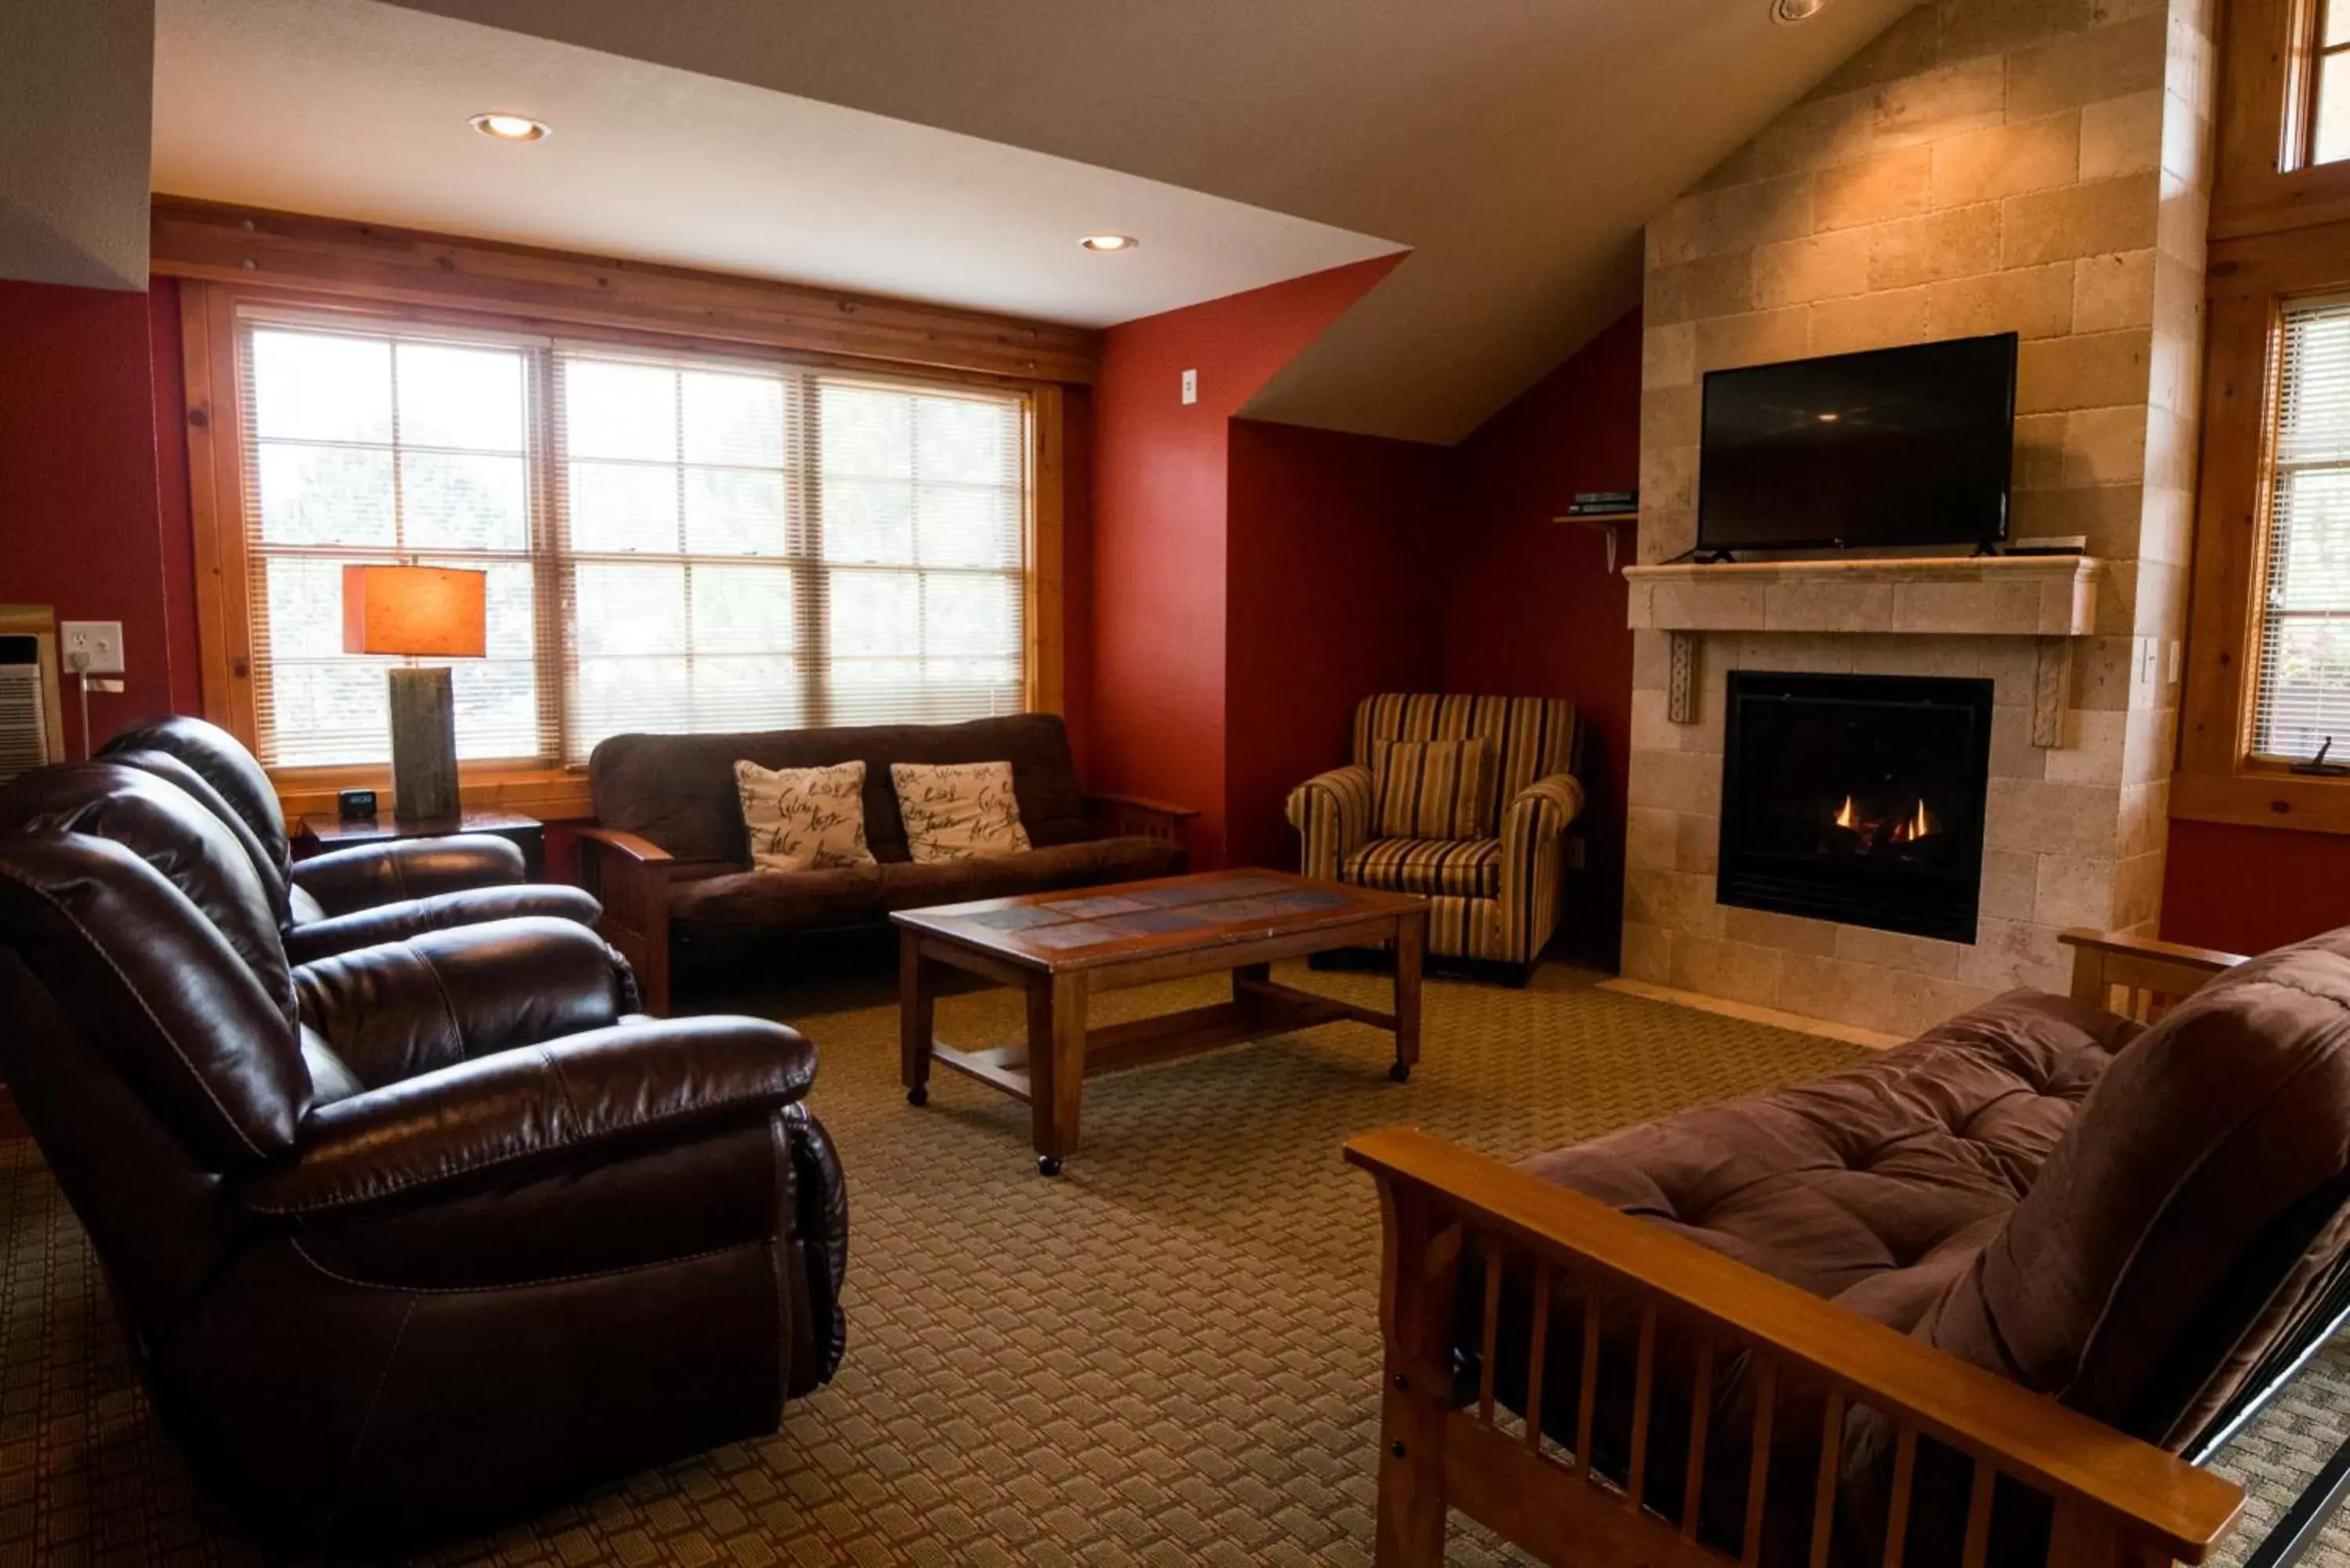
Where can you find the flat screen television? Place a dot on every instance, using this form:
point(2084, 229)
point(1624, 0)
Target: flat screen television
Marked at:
point(1900, 446)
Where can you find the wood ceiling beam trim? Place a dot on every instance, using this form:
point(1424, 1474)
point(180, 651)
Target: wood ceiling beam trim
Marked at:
point(227, 243)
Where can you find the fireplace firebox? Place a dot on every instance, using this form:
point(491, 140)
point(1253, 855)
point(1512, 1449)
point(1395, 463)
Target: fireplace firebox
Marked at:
point(1857, 798)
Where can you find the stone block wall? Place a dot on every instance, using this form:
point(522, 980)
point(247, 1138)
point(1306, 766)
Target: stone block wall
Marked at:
point(2035, 166)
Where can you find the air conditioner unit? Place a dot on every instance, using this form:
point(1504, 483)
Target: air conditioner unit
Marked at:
point(32, 727)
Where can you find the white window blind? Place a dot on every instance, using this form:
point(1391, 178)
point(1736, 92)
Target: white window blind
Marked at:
point(2302, 687)
point(675, 543)
point(373, 446)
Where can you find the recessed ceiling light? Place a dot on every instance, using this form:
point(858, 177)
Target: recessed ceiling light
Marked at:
point(1792, 11)
point(1107, 242)
point(505, 127)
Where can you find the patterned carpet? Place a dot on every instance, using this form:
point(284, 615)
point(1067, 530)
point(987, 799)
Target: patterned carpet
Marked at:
point(1167, 1356)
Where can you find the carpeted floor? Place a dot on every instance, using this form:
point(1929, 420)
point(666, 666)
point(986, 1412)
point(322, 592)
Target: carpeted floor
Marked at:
point(1167, 1356)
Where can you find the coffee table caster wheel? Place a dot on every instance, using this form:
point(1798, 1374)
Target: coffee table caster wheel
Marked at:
point(920, 1095)
point(1399, 1074)
point(1049, 1165)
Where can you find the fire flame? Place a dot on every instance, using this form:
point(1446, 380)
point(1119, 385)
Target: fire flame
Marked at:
point(1903, 830)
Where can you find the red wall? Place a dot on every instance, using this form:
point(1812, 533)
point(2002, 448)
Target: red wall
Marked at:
point(1158, 556)
point(2247, 889)
point(1334, 593)
point(1530, 608)
point(79, 524)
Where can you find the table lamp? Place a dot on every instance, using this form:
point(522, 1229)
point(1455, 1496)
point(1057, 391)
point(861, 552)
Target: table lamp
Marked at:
point(432, 612)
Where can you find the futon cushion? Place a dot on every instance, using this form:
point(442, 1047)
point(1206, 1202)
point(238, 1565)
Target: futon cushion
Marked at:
point(917, 886)
point(804, 819)
point(738, 905)
point(2192, 1218)
point(1430, 789)
point(957, 811)
point(1876, 1186)
point(1431, 867)
point(679, 790)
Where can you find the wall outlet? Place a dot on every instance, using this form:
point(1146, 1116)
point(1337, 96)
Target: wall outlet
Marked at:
point(99, 642)
point(1190, 386)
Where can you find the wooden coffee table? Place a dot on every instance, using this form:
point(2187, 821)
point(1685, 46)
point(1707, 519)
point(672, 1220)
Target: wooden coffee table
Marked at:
point(1061, 948)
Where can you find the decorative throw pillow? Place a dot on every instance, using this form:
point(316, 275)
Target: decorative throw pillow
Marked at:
point(1430, 789)
point(804, 819)
point(957, 811)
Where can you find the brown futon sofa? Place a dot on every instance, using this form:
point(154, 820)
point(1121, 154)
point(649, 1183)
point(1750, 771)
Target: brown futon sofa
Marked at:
point(670, 862)
point(1989, 1297)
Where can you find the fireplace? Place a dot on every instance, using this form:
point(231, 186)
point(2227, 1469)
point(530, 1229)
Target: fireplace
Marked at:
point(1857, 798)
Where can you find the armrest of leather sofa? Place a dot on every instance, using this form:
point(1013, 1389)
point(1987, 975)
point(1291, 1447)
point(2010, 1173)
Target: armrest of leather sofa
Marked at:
point(402, 1008)
point(343, 880)
point(314, 939)
point(586, 1098)
point(628, 874)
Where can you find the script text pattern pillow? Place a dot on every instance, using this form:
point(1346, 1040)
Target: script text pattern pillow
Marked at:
point(957, 811)
point(804, 819)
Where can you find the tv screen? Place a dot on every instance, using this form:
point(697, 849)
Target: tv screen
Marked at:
point(1902, 446)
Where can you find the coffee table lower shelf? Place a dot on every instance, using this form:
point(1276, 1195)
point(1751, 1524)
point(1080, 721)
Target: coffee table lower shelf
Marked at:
point(1048, 1071)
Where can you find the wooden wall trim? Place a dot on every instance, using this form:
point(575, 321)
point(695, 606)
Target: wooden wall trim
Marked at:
point(226, 244)
point(2250, 282)
point(2265, 182)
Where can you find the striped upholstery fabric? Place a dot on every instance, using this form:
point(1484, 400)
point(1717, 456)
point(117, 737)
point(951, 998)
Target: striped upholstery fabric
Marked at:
point(1531, 737)
point(1431, 866)
point(1430, 789)
point(1332, 813)
point(1531, 793)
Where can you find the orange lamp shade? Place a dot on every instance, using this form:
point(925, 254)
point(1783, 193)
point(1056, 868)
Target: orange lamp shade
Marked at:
point(430, 611)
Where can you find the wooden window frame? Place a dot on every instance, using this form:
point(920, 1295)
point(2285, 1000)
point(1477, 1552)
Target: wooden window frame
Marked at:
point(2280, 231)
point(229, 257)
point(2266, 179)
point(2219, 779)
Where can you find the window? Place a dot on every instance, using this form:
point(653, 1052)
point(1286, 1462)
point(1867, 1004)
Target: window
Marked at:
point(2302, 678)
point(2329, 117)
point(674, 542)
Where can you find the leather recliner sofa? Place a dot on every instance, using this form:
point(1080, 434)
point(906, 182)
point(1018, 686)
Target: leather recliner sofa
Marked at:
point(344, 899)
point(417, 1238)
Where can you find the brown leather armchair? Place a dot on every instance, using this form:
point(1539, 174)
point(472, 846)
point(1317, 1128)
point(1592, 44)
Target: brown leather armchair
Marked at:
point(347, 898)
point(415, 1238)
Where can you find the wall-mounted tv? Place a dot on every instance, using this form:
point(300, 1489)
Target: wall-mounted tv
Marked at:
point(1902, 446)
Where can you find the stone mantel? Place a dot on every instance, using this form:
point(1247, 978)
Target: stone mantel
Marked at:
point(1991, 596)
point(2051, 597)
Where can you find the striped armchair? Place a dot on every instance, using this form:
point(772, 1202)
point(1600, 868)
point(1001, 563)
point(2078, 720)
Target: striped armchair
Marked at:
point(1493, 900)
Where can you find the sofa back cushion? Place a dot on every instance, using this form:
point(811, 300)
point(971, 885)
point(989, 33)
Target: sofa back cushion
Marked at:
point(2190, 1216)
point(1431, 789)
point(679, 791)
point(1529, 737)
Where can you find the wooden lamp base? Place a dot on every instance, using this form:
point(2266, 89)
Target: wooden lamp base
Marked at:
point(423, 744)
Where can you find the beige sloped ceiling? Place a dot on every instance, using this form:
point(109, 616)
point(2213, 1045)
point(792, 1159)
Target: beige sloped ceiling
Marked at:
point(1517, 146)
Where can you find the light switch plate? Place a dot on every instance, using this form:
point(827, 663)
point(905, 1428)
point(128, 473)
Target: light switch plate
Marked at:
point(1190, 386)
point(99, 640)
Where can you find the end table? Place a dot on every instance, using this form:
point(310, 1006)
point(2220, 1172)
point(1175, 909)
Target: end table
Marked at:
point(317, 835)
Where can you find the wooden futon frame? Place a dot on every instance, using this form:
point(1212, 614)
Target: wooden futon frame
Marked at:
point(2117, 1502)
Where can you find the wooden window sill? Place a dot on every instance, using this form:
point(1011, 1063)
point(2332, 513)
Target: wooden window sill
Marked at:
point(550, 795)
point(2256, 796)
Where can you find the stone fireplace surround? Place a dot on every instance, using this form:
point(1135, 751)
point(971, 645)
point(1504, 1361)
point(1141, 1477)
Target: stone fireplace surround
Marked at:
point(2060, 847)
